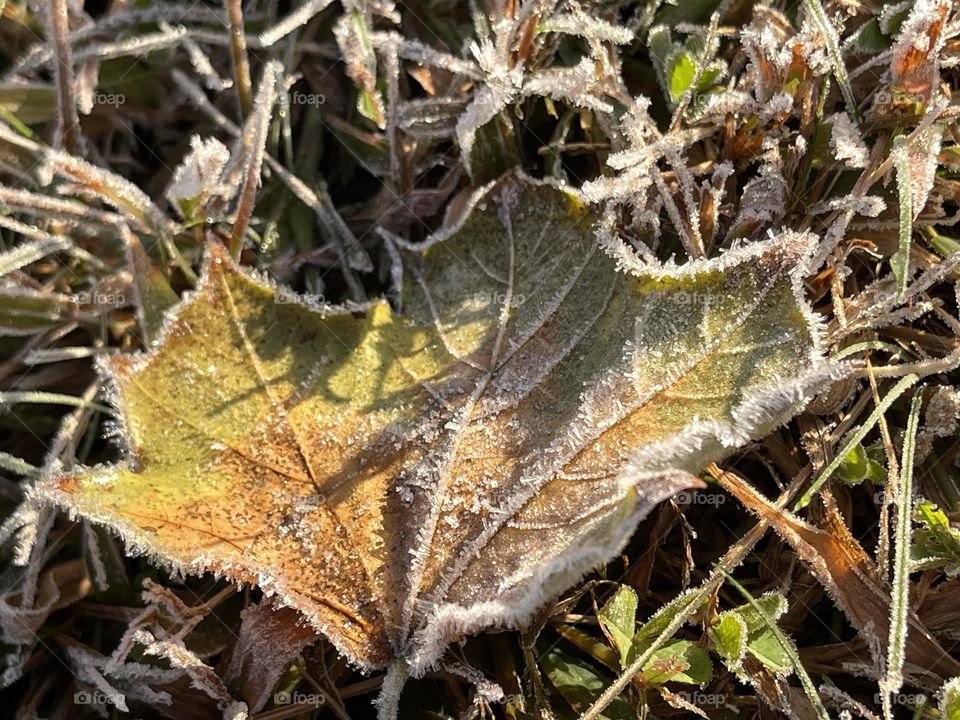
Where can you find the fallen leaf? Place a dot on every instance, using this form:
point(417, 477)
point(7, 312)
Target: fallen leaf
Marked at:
point(916, 54)
point(269, 640)
point(404, 480)
point(57, 587)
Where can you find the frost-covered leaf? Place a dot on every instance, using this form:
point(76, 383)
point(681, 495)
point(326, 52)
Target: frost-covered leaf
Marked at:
point(847, 142)
point(678, 661)
point(915, 162)
point(936, 543)
point(407, 479)
point(760, 676)
point(729, 635)
point(746, 629)
point(950, 700)
point(661, 619)
point(862, 464)
point(352, 32)
point(618, 618)
point(842, 566)
point(677, 64)
point(268, 641)
point(940, 419)
point(199, 176)
point(24, 609)
point(916, 53)
point(866, 39)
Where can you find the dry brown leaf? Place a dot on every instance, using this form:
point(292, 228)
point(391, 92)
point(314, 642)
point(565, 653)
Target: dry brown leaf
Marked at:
point(404, 480)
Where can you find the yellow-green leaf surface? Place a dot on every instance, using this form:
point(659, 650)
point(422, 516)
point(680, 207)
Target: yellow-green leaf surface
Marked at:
point(404, 478)
point(618, 619)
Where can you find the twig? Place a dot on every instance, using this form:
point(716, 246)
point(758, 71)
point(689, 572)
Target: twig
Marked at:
point(68, 121)
point(299, 17)
point(238, 51)
point(255, 135)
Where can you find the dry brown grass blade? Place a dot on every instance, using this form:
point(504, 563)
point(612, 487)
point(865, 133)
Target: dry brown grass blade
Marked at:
point(68, 122)
point(238, 54)
point(838, 561)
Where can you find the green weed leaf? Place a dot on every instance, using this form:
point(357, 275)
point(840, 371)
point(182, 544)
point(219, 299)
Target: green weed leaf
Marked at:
point(936, 543)
point(618, 618)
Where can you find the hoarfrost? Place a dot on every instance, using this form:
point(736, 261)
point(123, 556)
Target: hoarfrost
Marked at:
point(390, 521)
point(847, 142)
point(200, 174)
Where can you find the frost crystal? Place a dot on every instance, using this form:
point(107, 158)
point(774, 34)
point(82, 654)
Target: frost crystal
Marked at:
point(847, 143)
point(200, 174)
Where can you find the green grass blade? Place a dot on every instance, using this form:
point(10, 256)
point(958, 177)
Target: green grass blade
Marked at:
point(900, 600)
point(900, 261)
point(868, 345)
point(836, 57)
point(18, 466)
point(9, 399)
point(901, 387)
point(30, 252)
